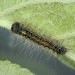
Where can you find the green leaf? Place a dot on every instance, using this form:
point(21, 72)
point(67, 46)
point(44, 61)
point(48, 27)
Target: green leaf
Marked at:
point(7, 68)
point(50, 19)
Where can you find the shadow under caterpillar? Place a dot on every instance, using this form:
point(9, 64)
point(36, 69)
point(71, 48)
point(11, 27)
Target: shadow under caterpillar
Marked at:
point(21, 30)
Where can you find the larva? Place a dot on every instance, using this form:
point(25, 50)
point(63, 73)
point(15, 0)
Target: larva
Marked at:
point(21, 30)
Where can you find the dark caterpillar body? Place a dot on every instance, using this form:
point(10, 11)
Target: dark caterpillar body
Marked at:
point(21, 30)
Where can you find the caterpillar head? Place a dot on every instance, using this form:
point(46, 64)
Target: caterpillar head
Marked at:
point(16, 28)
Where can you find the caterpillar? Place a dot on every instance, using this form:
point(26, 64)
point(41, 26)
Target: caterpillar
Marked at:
point(21, 30)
